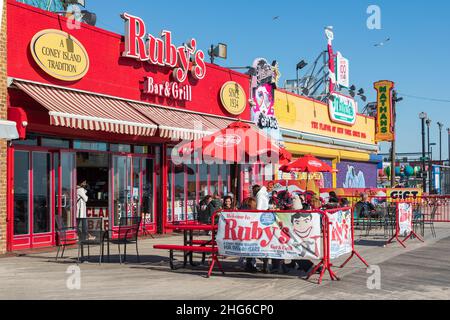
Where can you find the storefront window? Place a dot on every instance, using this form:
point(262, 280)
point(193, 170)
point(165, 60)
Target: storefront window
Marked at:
point(192, 200)
point(21, 192)
point(179, 203)
point(55, 143)
point(224, 178)
point(94, 168)
point(121, 188)
point(67, 184)
point(120, 148)
point(214, 178)
point(136, 187)
point(147, 191)
point(89, 145)
point(203, 179)
point(141, 149)
point(41, 192)
point(169, 193)
point(29, 141)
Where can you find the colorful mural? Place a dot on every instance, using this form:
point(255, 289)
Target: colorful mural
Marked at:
point(356, 175)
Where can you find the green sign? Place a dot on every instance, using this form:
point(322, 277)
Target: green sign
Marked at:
point(342, 109)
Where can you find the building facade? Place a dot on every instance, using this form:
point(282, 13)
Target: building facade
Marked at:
point(109, 109)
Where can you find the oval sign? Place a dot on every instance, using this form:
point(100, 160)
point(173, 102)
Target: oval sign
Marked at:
point(60, 55)
point(233, 97)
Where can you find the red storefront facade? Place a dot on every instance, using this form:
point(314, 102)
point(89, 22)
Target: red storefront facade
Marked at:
point(111, 128)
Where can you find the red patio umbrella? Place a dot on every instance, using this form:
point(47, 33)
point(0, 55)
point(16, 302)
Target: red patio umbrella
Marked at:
point(235, 144)
point(308, 164)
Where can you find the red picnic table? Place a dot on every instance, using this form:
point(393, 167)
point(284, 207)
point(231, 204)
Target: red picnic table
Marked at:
point(190, 245)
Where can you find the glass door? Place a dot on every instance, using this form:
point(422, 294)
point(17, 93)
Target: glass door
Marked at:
point(121, 188)
point(133, 191)
point(65, 187)
point(33, 200)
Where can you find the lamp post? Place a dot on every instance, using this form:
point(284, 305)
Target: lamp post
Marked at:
point(448, 131)
point(440, 125)
point(422, 117)
point(395, 99)
point(300, 66)
point(430, 178)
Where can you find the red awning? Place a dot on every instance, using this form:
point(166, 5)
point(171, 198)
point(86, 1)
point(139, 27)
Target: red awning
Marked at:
point(80, 110)
point(182, 124)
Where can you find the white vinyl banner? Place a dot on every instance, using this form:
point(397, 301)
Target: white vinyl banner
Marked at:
point(405, 216)
point(277, 235)
point(340, 233)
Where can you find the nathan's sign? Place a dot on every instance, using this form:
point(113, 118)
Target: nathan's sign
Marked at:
point(161, 51)
point(384, 123)
point(60, 55)
point(342, 109)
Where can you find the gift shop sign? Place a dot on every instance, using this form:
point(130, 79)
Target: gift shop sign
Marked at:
point(342, 109)
point(160, 51)
point(59, 55)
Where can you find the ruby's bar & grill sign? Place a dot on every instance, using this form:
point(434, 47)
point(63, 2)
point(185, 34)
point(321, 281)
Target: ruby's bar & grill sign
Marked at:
point(142, 46)
point(384, 125)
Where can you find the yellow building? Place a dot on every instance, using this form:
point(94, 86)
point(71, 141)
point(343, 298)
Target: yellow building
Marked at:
point(307, 128)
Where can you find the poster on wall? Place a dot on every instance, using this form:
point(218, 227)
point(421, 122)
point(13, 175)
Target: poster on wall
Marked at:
point(264, 83)
point(356, 175)
point(405, 216)
point(277, 235)
point(340, 233)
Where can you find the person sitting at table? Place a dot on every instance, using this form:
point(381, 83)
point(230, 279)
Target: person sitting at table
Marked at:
point(343, 203)
point(249, 203)
point(333, 200)
point(206, 209)
point(273, 201)
point(364, 208)
point(228, 203)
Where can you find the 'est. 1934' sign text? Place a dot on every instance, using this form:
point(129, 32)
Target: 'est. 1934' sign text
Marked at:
point(60, 55)
point(233, 97)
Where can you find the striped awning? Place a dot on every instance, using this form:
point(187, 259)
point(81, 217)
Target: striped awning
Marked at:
point(80, 110)
point(181, 124)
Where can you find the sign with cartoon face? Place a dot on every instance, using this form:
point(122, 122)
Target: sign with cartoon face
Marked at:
point(277, 235)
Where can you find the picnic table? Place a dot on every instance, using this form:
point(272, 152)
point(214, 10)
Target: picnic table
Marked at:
point(191, 245)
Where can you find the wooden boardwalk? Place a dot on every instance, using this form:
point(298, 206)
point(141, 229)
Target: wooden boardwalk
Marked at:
point(422, 270)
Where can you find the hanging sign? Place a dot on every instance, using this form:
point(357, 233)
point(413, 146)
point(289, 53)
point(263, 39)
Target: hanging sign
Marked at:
point(384, 125)
point(60, 55)
point(342, 109)
point(342, 73)
point(233, 97)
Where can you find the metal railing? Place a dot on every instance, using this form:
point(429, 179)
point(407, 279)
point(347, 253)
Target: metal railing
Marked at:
point(436, 208)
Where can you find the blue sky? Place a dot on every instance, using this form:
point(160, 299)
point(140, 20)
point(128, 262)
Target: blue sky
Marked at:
point(416, 57)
